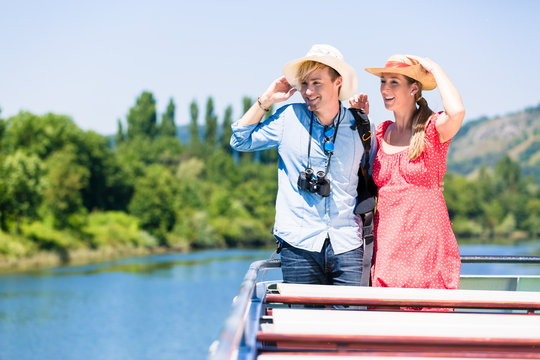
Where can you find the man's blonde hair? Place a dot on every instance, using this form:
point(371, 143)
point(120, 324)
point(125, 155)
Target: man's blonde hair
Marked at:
point(307, 67)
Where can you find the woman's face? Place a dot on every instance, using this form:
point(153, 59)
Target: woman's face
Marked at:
point(396, 91)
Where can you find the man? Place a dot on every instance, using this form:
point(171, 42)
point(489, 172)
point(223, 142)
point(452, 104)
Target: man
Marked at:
point(319, 158)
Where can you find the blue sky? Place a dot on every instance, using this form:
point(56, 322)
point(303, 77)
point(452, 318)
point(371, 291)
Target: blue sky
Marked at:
point(90, 60)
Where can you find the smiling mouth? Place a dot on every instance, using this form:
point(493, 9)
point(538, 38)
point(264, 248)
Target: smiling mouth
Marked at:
point(312, 101)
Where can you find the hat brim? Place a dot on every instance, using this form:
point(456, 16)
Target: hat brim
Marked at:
point(416, 72)
point(349, 84)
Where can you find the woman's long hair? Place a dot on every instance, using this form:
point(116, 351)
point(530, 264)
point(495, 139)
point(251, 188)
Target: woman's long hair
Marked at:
point(420, 119)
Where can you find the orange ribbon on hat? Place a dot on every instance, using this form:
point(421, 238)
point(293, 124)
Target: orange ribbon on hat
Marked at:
point(396, 64)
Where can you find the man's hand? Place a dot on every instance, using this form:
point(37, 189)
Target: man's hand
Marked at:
point(360, 102)
point(280, 90)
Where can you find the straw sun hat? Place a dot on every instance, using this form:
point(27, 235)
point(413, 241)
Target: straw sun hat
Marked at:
point(401, 64)
point(330, 56)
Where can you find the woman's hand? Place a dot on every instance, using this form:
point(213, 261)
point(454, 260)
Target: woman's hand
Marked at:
point(428, 64)
point(360, 101)
point(449, 122)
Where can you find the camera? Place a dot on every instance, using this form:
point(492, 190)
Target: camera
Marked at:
point(314, 184)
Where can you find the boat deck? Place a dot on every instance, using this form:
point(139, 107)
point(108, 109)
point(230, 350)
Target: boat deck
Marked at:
point(493, 317)
point(354, 332)
point(399, 297)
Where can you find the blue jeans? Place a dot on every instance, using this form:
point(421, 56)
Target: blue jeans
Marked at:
point(322, 268)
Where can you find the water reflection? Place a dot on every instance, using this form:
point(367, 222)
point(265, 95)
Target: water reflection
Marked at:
point(144, 265)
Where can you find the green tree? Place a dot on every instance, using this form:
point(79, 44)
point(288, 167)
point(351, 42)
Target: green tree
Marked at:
point(64, 181)
point(210, 130)
point(107, 187)
point(40, 135)
point(226, 131)
point(120, 136)
point(2, 127)
point(153, 201)
point(485, 182)
point(507, 174)
point(22, 186)
point(142, 117)
point(194, 136)
point(167, 151)
point(221, 169)
point(168, 126)
point(190, 188)
point(532, 222)
point(6, 201)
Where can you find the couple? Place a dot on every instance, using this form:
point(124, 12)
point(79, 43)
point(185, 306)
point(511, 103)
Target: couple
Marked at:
point(318, 232)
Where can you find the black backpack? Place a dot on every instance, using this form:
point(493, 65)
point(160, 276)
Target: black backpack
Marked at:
point(366, 190)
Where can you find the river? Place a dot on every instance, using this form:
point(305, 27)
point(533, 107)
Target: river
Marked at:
point(156, 307)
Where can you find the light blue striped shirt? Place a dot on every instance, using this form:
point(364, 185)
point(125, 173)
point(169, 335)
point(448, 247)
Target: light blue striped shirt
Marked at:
point(304, 219)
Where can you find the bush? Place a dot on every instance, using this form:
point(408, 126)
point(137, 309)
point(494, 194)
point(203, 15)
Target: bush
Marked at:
point(116, 229)
point(466, 227)
point(193, 228)
point(47, 238)
point(15, 246)
point(243, 232)
point(507, 226)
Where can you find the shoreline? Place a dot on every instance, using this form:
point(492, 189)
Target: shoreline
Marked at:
point(50, 259)
point(85, 256)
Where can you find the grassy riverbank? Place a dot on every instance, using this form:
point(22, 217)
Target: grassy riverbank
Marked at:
point(103, 236)
point(83, 256)
point(48, 259)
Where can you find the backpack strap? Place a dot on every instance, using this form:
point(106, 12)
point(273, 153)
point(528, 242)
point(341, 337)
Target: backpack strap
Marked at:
point(366, 190)
point(362, 125)
point(366, 187)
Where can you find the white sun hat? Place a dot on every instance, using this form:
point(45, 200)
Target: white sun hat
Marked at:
point(330, 56)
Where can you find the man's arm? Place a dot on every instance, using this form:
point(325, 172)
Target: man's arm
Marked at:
point(279, 90)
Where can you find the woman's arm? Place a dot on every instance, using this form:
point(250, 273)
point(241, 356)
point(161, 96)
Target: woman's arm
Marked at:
point(450, 121)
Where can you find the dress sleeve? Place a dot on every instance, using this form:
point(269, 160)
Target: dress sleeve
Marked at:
point(432, 136)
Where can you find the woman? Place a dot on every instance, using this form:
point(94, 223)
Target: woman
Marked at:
point(414, 243)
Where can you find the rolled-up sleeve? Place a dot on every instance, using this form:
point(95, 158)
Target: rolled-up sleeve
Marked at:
point(264, 135)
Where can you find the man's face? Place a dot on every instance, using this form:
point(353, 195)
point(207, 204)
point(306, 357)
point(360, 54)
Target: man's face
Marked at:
point(319, 91)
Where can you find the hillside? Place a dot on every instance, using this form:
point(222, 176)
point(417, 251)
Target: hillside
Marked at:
point(486, 140)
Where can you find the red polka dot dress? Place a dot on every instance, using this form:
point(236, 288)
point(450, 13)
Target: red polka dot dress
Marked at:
point(414, 243)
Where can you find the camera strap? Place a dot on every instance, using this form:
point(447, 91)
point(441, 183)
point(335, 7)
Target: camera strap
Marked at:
point(333, 140)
